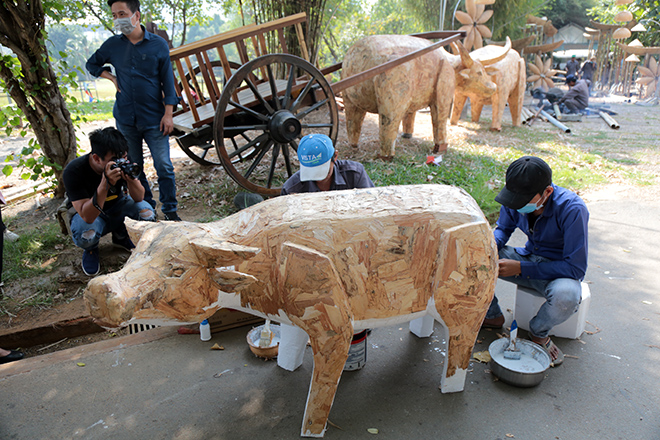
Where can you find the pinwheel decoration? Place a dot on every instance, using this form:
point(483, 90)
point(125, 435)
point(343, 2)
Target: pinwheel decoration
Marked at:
point(541, 73)
point(649, 77)
point(473, 23)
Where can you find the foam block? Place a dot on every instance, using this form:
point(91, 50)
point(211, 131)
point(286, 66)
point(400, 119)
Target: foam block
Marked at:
point(527, 305)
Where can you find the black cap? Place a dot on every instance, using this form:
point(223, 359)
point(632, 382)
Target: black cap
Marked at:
point(525, 178)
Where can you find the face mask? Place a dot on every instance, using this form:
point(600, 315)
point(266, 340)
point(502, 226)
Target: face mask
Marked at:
point(125, 25)
point(529, 208)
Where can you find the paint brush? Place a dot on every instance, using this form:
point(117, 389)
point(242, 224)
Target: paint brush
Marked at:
point(266, 335)
point(512, 352)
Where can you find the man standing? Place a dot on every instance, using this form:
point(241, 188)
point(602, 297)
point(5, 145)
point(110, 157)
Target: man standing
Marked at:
point(577, 97)
point(145, 96)
point(572, 66)
point(588, 69)
point(321, 171)
point(553, 262)
point(97, 185)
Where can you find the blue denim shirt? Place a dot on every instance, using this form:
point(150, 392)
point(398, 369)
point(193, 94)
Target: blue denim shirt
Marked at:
point(347, 174)
point(144, 75)
point(560, 234)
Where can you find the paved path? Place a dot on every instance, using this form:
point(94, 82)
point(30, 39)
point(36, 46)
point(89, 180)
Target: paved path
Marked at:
point(175, 387)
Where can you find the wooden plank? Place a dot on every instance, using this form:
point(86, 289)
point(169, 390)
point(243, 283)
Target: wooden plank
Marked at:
point(187, 123)
point(370, 73)
point(236, 34)
point(191, 99)
point(301, 41)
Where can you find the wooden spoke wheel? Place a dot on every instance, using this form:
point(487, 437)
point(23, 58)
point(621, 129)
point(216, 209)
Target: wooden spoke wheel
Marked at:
point(265, 108)
point(199, 146)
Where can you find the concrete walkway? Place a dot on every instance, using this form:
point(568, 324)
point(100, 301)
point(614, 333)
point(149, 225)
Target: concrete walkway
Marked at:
point(160, 385)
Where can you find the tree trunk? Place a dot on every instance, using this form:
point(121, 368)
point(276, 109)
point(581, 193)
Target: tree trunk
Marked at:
point(34, 87)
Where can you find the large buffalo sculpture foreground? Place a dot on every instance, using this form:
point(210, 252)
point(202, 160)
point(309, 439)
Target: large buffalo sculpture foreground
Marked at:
point(426, 81)
point(324, 265)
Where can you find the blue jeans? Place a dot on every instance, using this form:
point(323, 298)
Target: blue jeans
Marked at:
point(87, 235)
point(563, 296)
point(159, 146)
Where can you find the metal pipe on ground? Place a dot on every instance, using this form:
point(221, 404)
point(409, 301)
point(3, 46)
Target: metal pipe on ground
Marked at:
point(526, 115)
point(555, 122)
point(609, 119)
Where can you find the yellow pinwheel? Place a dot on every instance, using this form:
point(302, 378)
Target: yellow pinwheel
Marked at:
point(649, 77)
point(473, 23)
point(541, 73)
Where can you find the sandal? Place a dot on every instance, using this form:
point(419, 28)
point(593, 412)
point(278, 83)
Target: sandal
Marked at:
point(549, 348)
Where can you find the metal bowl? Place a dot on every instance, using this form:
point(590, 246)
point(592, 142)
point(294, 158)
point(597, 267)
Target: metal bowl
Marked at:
point(527, 372)
point(269, 352)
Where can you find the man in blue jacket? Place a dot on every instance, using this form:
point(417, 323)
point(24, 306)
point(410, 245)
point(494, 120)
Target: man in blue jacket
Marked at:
point(145, 96)
point(553, 262)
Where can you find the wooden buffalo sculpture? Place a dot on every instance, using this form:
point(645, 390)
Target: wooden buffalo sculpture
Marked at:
point(509, 75)
point(325, 264)
point(426, 81)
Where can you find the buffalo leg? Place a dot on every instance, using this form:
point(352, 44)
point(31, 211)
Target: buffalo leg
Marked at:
point(408, 124)
point(354, 120)
point(316, 302)
point(476, 105)
point(459, 103)
point(517, 96)
point(466, 288)
point(439, 115)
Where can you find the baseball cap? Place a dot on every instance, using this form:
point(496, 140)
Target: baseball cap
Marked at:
point(315, 152)
point(525, 178)
point(571, 78)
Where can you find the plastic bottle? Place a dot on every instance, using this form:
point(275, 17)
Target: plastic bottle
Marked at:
point(205, 330)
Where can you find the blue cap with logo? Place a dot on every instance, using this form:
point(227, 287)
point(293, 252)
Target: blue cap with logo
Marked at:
point(315, 152)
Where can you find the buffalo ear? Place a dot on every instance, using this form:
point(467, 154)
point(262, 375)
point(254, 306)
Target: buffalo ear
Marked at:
point(214, 253)
point(137, 228)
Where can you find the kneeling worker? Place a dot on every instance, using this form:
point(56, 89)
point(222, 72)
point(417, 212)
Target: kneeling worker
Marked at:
point(553, 262)
point(104, 188)
point(321, 171)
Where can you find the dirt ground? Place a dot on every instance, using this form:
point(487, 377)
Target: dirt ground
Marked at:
point(636, 146)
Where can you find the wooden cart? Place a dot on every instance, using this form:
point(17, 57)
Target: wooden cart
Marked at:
point(245, 106)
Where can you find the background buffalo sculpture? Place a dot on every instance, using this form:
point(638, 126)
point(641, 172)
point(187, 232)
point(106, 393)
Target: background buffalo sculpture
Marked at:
point(427, 81)
point(510, 77)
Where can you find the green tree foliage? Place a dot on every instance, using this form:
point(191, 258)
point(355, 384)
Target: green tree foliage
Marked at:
point(27, 75)
point(508, 18)
point(563, 12)
point(645, 11)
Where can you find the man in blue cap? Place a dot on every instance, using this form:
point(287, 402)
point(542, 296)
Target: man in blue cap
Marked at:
point(553, 262)
point(321, 171)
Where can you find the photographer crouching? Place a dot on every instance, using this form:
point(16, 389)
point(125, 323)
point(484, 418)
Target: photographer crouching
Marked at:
point(103, 189)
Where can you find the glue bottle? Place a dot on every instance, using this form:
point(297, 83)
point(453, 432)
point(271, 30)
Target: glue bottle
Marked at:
point(205, 330)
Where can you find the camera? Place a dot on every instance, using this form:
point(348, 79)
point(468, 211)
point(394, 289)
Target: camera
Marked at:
point(128, 168)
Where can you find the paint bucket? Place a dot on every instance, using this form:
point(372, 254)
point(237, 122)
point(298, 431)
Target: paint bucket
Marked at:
point(357, 354)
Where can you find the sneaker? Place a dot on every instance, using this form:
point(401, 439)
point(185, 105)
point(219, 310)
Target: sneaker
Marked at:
point(123, 243)
point(90, 262)
point(10, 236)
point(172, 216)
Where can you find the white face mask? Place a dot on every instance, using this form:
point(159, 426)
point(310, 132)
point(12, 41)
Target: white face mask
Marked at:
point(125, 25)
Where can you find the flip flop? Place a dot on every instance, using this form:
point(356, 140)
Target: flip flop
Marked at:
point(548, 347)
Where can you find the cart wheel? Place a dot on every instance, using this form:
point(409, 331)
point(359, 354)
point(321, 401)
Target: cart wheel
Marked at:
point(256, 136)
point(199, 146)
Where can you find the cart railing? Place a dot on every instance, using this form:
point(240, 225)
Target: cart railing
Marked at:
point(198, 58)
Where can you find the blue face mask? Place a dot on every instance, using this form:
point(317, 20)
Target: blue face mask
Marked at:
point(529, 208)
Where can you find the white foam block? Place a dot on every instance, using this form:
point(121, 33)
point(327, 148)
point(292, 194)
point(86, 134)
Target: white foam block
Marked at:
point(527, 305)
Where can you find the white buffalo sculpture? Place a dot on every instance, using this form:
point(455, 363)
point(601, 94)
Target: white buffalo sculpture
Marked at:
point(323, 264)
point(510, 77)
point(396, 94)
